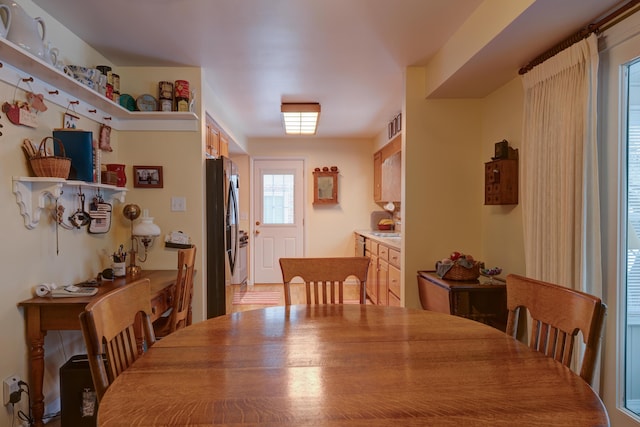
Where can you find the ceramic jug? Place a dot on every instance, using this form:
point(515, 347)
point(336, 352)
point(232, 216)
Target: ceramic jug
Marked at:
point(5, 20)
point(24, 30)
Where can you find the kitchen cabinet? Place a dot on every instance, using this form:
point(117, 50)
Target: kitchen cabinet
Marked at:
point(501, 182)
point(394, 296)
point(217, 142)
point(384, 278)
point(371, 250)
point(59, 88)
point(483, 302)
point(387, 172)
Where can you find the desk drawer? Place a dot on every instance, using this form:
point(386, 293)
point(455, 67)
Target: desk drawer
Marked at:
point(161, 302)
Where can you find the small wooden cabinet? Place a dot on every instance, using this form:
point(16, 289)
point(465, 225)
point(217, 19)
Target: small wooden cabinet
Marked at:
point(486, 303)
point(501, 182)
point(217, 143)
point(387, 172)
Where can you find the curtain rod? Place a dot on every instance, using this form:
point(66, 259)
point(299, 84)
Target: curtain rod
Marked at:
point(608, 21)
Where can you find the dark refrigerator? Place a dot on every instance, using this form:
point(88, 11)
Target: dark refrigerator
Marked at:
point(222, 231)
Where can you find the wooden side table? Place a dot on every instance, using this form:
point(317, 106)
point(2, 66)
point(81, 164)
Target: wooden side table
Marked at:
point(476, 300)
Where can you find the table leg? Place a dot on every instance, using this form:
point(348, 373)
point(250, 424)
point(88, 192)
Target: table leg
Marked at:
point(35, 338)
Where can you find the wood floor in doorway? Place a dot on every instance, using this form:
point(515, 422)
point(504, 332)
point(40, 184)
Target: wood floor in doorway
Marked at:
point(297, 295)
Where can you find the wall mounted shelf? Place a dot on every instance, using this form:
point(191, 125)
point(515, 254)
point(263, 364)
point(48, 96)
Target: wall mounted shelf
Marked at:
point(32, 193)
point(61, 89)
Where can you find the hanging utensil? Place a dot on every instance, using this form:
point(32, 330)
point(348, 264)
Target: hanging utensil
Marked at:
point(80, 218)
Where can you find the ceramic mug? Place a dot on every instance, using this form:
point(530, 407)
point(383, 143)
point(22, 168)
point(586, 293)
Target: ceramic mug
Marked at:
point(119, 269)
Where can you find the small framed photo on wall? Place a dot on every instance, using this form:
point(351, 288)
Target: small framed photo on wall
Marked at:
point(147, 176)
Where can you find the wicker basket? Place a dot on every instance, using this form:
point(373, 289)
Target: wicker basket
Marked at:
point(460, 273)
point(50, 166)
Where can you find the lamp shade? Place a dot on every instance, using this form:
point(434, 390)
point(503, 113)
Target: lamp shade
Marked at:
point(145, 227)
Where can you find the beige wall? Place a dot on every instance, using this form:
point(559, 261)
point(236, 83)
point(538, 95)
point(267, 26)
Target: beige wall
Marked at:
point(501, 231)
point(330, 228)
point(443, 184)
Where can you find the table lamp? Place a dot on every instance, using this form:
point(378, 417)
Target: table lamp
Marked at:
point(143, 232)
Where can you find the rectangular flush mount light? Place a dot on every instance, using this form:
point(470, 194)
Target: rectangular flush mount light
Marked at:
point(300, 119)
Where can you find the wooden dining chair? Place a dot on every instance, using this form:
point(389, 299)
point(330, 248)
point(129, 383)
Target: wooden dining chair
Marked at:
point(325, 276)
point(179, 315)
point(117, 329)
point(558, 314)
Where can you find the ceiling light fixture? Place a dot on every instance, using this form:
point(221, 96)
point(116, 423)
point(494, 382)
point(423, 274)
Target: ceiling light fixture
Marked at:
point(300, 119)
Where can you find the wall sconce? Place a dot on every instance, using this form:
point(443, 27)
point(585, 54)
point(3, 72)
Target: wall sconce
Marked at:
point(143, 233)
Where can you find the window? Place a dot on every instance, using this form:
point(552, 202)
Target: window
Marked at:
point(632, 291)
point(278, 196)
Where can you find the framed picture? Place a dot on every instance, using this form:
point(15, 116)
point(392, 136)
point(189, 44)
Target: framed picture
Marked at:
point(70, 121)
point(147, 176)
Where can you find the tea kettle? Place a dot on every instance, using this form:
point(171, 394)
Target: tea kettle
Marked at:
point(5, 20)
point(24, 31)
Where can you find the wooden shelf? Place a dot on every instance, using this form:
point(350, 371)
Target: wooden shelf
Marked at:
point(32, 193)
point(18, 63)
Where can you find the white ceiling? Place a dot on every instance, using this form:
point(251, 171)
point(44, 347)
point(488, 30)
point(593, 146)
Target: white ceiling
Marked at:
point(348, 55)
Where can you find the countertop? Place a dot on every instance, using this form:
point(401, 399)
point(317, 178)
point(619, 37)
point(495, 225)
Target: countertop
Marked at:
point(392, 238)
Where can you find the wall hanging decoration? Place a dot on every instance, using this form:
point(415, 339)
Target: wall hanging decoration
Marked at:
point(147, 176)
point(325, 186)
point(21, 112)
point(105, 138)
point(70, 118)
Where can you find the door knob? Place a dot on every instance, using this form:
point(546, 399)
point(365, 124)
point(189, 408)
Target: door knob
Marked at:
point(257, 222)
point(257, 232)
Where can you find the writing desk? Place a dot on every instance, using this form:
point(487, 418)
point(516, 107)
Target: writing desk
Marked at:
point(346, 365)
point(44, 314)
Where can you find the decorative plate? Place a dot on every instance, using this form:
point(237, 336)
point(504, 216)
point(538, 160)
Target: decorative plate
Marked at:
point(128, 102)
point(147, 102)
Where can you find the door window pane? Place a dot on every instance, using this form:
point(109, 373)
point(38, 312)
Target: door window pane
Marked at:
point(277, 199)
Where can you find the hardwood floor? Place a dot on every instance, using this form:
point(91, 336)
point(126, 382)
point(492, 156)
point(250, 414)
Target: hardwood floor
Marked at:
point(297, 295)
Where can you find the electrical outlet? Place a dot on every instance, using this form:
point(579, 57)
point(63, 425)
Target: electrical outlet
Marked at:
point(9, 385)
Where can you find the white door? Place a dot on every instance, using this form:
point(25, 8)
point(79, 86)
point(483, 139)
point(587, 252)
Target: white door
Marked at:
point(278, 228)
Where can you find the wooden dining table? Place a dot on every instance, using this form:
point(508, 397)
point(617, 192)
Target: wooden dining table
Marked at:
point(346, 365)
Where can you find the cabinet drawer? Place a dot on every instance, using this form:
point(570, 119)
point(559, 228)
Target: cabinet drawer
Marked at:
point(394, 301)
point(371, 246)
point(383, 252)
point(394, 257)
point(394, 281)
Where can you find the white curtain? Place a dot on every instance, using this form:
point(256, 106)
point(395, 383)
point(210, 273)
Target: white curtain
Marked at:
point(559, 164)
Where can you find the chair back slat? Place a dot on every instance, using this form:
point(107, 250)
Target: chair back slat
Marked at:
point(180, 314)
point(324, 277)
point(559, 316)
point(115, 328)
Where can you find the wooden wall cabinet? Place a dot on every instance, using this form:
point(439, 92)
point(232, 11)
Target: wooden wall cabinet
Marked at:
point(501, 182)
point(387, 172)
point(325, 188)
point(217, 142)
